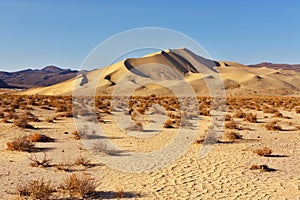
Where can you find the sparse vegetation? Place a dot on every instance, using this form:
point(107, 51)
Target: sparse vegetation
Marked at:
point(137, 126)
point(36, 189)
point(251, 117)
point(23, 123)
point(82, 161)
point(262, 168)
point(43, 162)
point(232, 135)
point(273, 126)
point(265, 151)
point(231, 124)
point(20, 144)
point(79, 185)
point(36, 137)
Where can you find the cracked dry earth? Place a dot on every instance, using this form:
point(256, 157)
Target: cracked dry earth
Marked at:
point(224, 174)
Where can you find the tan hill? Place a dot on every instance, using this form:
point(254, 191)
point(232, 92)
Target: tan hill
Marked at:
point(169, 68)
point(29, 78)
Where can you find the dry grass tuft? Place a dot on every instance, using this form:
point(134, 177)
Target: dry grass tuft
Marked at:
point(231, 124)
point(36, 189)
point(20, 144)
point(265, 151)
point(23, 123)
point(168, 124)
point(273, 126)
point(232, 135)
point(82, 161)
point(36, 137)
point(251, 117)
point(44, 162)
point(80, 185)
point(135, 127)
point(262, 168)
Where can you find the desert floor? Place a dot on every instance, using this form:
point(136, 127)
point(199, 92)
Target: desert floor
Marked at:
point(224, 174)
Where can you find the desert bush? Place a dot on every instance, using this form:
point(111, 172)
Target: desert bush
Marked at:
point(251, 117)
point(63, 166)
point(232, 135)
point(297, 109)
point(168, 124)
point(36, 137)
point(76, 135)
point(36, 189)
point(80, 185)
point(23, 123)
point(277, 114)
point(20, 144)
point(265, 151)
point(137, 126)
point(273, 126)
point(271, 110)
point(82, 161)
point(227, 117)
point(43, 162)
point(50, 120)
point(239, 114)
point(231, 124)
point(262, 168)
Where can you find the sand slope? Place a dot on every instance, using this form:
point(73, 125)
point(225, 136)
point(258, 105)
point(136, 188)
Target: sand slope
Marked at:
point(170, 67)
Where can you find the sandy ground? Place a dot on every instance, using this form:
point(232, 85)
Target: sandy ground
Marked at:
point(224, 174)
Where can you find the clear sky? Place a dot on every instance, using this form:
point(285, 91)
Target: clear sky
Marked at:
point(37, 33)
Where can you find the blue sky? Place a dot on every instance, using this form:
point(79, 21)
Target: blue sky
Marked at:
point(34, 34)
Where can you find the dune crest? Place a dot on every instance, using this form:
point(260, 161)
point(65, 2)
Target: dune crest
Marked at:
point(169, 66)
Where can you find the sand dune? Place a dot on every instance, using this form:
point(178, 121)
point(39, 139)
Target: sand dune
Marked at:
point(179, 65)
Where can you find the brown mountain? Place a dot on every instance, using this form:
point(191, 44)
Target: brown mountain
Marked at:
point(295, 67)
point(29, 78)
point(4, 85)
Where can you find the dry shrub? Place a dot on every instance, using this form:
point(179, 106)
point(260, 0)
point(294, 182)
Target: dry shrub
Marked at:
point(277, 114)
point(262, 168)
point(120, 194)
point(82, 161)
point(251, 117)
point(269, 110)
point(297, 109)
point(273, 126)
point(231, 135)
point(63, 166)
point(23, 123)
point(36, 137)
point(76, 135)
point(239, 114)
point(168, 124)
point(43, 162)
point(265, 151)
point(135, 127)
point(79, 185)
point(50, 120)
point(231, 124)
point(227, 117)
point(36, 189)
point(204, 111)
point(20, 144)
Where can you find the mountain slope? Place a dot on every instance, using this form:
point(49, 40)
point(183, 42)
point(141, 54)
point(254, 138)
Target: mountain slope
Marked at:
point(29, 78)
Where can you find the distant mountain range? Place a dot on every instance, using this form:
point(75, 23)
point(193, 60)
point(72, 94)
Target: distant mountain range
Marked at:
point(295, 67)
point(29, 78)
